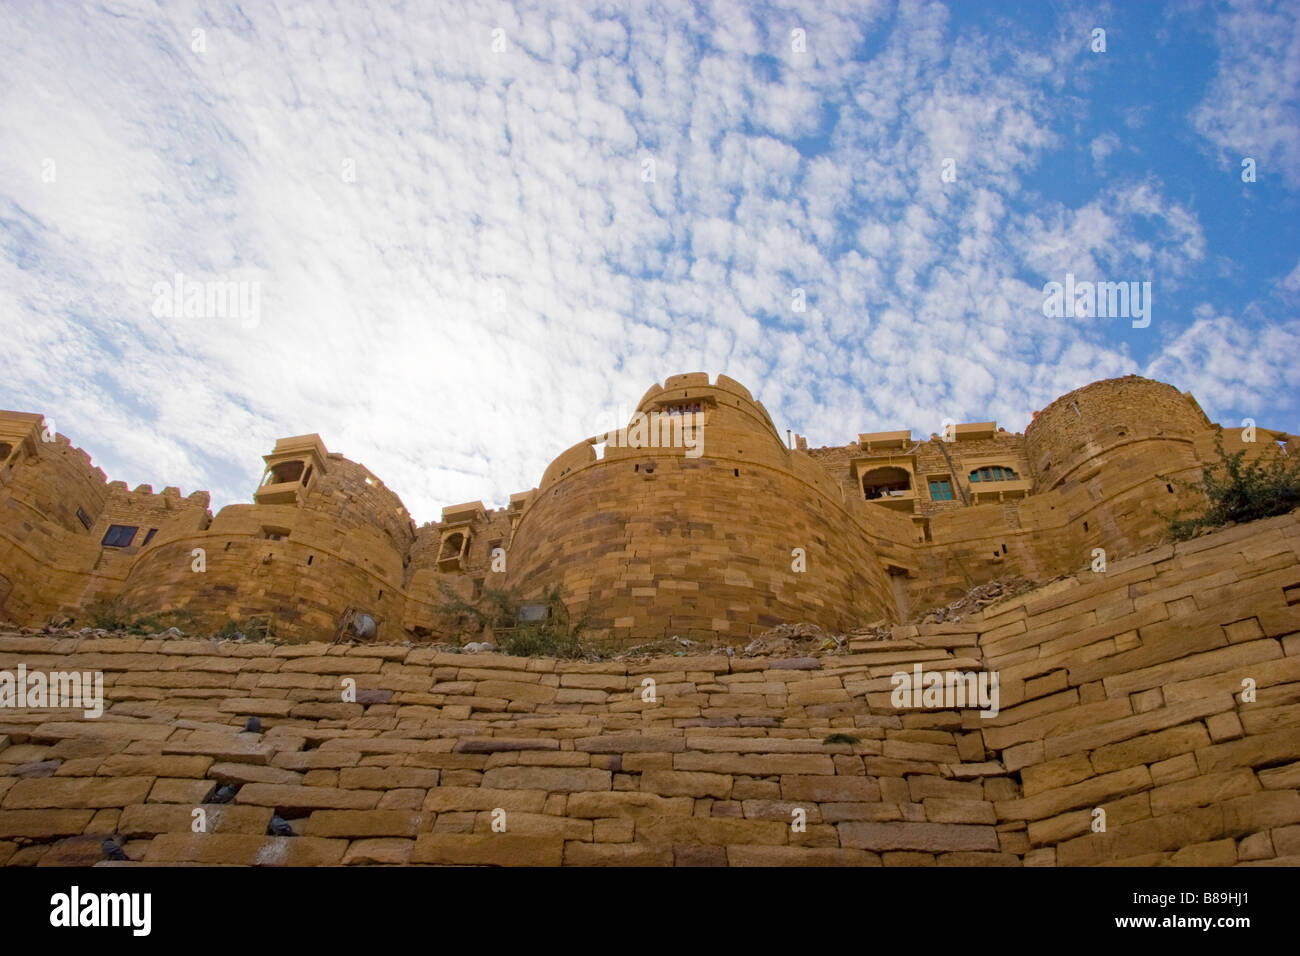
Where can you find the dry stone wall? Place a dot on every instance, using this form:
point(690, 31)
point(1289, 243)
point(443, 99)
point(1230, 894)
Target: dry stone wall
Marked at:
point(1119, 692)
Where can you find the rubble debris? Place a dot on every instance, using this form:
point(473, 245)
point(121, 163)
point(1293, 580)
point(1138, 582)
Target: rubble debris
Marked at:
point(976, 599)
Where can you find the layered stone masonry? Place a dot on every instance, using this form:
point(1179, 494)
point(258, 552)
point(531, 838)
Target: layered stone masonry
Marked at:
point(717, 541)
point(1120, 692)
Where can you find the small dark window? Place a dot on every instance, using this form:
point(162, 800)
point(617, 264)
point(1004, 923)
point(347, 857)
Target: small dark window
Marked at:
point(381, 592)
point(636, 467)
point(1004, 549)
point(735, 472)
point(84, 518)
point(1169, 488)
point(228, 544)
point(309, 558)
point(149, 536)
point(119, 536)
point(1085, 526)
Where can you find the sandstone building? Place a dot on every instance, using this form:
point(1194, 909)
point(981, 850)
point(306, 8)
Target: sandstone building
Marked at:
point(718, 542)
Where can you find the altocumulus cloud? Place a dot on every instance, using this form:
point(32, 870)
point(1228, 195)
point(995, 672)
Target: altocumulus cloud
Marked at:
point(475, 228)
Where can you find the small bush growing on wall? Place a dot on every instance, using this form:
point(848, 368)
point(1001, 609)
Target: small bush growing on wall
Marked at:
point(116, 614)
point(1237, 490)
point(253, 629)
point(495, 614)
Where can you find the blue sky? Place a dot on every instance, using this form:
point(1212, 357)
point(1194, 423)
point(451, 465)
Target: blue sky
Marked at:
point(462, 265)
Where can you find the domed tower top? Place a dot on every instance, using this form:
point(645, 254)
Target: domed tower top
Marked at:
point(1085, 422)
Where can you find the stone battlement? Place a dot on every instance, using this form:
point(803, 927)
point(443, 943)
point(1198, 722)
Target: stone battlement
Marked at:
point(717, 536)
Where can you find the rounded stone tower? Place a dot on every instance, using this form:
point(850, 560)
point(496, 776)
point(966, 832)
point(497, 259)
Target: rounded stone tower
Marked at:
point(322, 536)
point(1104, 448)
point(1079, 427)
point(696, 520)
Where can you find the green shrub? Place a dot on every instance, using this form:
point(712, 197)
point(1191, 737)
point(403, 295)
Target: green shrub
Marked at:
point(495, 613)
point(1237, 490)
point(116, 614)
point(253, 629)
point(532, 640)
point(112, 614)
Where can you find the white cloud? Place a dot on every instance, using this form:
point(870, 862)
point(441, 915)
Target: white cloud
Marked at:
point(1252, 108)
point(498, 272)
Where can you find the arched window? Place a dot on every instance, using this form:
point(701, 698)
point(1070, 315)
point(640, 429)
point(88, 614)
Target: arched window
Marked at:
point(993, 473)
point(451, 547)
point(885, 483)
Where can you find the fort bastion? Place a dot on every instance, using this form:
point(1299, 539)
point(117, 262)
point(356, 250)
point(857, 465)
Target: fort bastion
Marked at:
point(717, 539)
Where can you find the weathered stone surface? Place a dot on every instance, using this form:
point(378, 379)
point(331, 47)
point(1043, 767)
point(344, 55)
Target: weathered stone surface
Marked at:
point(711, 831)
point(289, 797)
point(241, 773)
point(617, 854)
point(364, 823)
point(630, 743)
point(939, 810)
point(799, 856)
point(487, 849)
point(927, 837)
point(463, 799)
point(552, 779)
point(77, 792)
point(43, 824)
point(386, 778)
point(632, 803)
point(675, 783)
point(226, 749)
point(244, 849)
point(147, 820)
point(1089, 792)
point(1150, 748)
point(489, 745)
point(129, 765)
point(1203, 791)
point(763, 765)
point(829, 789)
point(385, 851)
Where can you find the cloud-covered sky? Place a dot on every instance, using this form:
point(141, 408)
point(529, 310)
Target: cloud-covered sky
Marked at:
point(476, 231)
